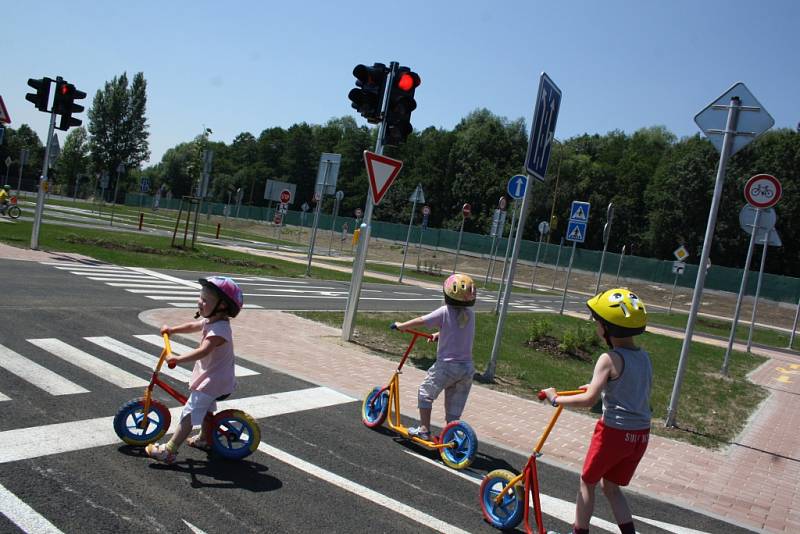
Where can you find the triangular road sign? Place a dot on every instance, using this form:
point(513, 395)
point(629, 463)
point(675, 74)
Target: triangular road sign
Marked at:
point(4, 117)
point(575, 234)
point(381, 171)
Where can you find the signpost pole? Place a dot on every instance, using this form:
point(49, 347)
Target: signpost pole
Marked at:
point(730, 132)
point(23, 158)
point(566, 282)
point(558, 261)
point(606, 235)
point(672, 293)
point(536, 262)
point(739, 297)
point(408, 236)
point(765, 246)
point(794, 324)
point(458, 248)
point(316, 217)
point(619, 267)
point(505, 258)
point(336, 203)
point(37, 220)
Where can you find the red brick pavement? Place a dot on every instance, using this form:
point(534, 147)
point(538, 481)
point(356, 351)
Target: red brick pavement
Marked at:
point(753, 482)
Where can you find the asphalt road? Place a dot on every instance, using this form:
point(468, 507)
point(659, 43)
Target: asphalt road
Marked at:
point(318, 468)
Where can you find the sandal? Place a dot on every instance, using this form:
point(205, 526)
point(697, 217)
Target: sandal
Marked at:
point(160, 453)
point(198, 443)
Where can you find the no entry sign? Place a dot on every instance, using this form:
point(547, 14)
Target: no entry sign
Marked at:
point(286, 196)
point(466, 210)
point(762, 191)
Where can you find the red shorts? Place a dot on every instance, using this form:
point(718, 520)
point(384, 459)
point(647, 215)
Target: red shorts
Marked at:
point(614, 454)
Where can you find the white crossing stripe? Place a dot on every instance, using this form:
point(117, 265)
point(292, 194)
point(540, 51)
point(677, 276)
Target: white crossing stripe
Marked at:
point(166, 277)
point(121, 278)
point(22, 515)
point(92, 364)
point(41, 377)
point(194, 305)
point(103, 272)
point(180, 348)
point(4, 398)
point(155, 286)
point(172, 297)
point(174, 290)
point(26, 443)
point(139, 356)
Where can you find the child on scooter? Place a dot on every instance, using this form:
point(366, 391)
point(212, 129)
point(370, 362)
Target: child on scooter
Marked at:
point(623, 377)
point(453, 369)
point(213, 376)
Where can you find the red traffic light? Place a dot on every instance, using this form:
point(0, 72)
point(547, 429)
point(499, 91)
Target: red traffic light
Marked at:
point(408, 81)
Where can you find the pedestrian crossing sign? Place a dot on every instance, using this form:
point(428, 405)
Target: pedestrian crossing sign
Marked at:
point(576, 231)
point(579, 211)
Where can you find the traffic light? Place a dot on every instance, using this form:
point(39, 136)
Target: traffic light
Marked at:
point(64, 104)
point(401, 104)
point(40, 97)
point(367, 98)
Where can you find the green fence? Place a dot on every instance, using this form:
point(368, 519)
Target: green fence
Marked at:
point(774, 287)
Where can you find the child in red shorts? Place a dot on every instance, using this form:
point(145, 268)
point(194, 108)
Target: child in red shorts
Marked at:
point(623, 377)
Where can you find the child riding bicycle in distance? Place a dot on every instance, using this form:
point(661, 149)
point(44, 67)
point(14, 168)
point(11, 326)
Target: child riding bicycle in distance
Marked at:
point(453, 369)
point(623, 377)
point(213, 376)
point(4, 198)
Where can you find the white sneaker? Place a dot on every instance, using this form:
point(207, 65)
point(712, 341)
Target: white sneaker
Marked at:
point(417, 432)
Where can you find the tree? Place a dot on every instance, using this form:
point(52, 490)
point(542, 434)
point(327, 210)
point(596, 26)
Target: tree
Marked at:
point(16, 140)
point(118, 126)
point(74, 159)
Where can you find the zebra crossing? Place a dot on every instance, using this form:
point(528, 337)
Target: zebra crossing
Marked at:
point(100, 364)
point(156, 286)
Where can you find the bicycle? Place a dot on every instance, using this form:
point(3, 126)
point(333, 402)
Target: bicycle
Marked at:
point(457, 443)
point(504, 495)
point(12, 210)
point(762, 190)
point(234, 434)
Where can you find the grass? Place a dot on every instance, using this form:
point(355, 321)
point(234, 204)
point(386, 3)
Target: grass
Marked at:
point(145, 250)
point(722, 327)
point(713, 409)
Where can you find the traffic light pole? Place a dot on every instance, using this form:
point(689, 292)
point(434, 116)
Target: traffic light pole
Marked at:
point(361, 253)
point(37, 220)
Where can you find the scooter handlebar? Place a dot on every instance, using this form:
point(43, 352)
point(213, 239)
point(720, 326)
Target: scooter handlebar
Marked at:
point(542, 396)
point(171, 364)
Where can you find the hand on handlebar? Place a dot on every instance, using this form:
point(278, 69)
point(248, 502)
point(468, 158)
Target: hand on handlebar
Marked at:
point(171, 363)
point(434, 337)
point(393, 326)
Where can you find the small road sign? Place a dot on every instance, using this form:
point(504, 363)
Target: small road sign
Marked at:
point(278, 217)
point(305, 206)
point(753, 119)
point(681, 253)
point(283, 207)
point(762, 191)
point(4, 116)
point(544, 228)
point(502, 203)
point(548, 103)
point(316, 196)
point(359, 213)
point(418, 195)
point(579, 211)
point(576, 231)
point(381, 171)
point(328, 172)
point(766, 220)
point(678, 267)
point(516, 186)
point(466, 210)
point(145, 185)
point(339, 196)
point(286, 196)
point(426, 210)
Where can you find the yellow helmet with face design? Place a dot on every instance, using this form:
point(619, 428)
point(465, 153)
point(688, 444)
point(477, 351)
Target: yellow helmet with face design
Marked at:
point(622, 312)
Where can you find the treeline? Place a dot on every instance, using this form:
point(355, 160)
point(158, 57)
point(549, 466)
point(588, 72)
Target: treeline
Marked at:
point(661, 186)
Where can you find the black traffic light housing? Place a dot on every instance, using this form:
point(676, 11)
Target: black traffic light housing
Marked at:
point(368, 97)
point(401, 104)
point(42, 94)
point(64, 104)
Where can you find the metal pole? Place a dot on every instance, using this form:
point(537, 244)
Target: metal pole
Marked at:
point(37, 220)
point(727, 141)
point(361, 256)
point(458, 248)
point(316, 216)
point(619, 267)
point(488, 375)
point(419, 245)
point(558, 261)
point(794, 324)
point(536, 262)
point(505, 260)
point(566, 282)
point(765, 246)
point(492, 252)
point(333, 223)
point(740, 296)
point(23, 157)
point(114, 200)
point(672, 294)
point(600, 272)
point(408, 236)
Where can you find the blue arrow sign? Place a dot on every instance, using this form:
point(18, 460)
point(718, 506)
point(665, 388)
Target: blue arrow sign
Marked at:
point(548, 102)
point(579, 211)
point(576, 231)
point(516, 186)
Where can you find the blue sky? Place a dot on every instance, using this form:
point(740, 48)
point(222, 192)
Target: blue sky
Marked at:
point(247, 66)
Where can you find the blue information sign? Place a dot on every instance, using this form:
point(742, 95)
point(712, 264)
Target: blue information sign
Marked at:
point(579, 211)
point(516, 186)
point(576, 231)
point(145, 185)
point(548, 102)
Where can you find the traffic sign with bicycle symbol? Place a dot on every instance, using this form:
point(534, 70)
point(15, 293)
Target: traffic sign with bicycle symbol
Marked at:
point(762, 191)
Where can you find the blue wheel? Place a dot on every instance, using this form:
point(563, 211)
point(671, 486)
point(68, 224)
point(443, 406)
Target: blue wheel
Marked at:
point(375, 407)
point(466, 445)
point(508, 513)
point(128, 422)
point(235, 434)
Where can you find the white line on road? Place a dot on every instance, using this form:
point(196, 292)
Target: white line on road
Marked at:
point(357, 489)
point(139, 356)
point(92, 364)
point(41, 377)
point(125, 278)
point(33, 442)
point(4, 398)
point(193, 528)
point(167, 277)
point(180, 348)
point(173, 290)
point(154, 287)
point(22, 515)
point(172, 297)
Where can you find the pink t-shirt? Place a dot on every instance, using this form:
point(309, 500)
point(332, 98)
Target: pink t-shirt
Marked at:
point(456, 332)
point(215, 374)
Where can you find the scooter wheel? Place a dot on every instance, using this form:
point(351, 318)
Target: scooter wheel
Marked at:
point(466, 445)
point(14, 212)
point(235, 434)
point(128, 421)
point(375, 407)
point(508, 513)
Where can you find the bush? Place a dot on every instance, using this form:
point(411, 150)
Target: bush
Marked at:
point(540, 328)
point(581, 338)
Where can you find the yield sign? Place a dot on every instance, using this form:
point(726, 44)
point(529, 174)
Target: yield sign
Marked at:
point(4, 117)
point(381, 171)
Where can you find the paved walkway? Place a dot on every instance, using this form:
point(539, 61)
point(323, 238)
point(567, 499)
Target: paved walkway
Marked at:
point(753, 482)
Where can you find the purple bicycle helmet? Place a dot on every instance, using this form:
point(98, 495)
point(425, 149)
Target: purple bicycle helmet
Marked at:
point(227, 290)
